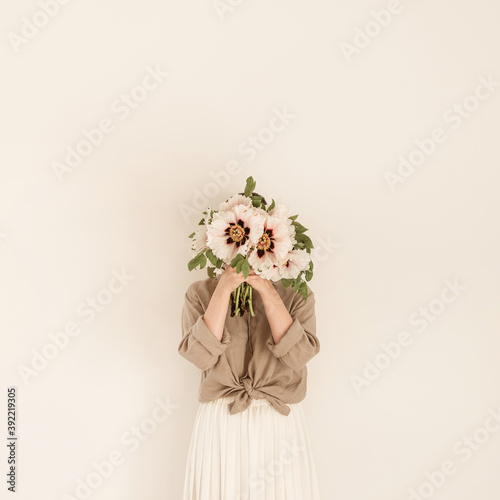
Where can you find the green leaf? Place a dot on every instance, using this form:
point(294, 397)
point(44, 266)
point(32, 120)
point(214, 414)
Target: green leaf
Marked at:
point(192, 234)
point(299, 228)
point(309, 275)
point(219, 263)
point(239, 265)
point(211, 257)
point(250, 186)
point(286, 282)
point(193, 263)
point(271, 206)
point(303, 238)
point(293, 217)
point(236, 259)
point(245, 268)
point(203, 261)
point(303, 290)
point(199, 259)
point(256, 200)
point(210, 272)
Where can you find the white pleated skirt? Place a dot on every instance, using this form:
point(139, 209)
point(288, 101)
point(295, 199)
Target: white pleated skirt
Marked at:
point(257, 454)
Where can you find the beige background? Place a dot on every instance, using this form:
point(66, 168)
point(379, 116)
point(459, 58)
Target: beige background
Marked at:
point(382, 256)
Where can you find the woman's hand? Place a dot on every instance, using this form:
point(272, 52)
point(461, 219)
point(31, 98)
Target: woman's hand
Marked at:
point(230, 279)
point(277, 314)
point(264, 287)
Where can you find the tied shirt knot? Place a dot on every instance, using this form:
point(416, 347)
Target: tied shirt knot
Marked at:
point(252, 393)
point(248, 392)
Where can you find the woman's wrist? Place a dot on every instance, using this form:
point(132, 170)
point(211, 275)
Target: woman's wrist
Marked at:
point(270, 298)
point(223, 290)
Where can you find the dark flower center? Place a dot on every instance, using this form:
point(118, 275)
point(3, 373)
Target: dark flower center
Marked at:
point(237, 233)
point(265, 243)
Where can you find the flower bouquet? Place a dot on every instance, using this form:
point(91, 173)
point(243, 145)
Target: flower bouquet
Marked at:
point(245, 232)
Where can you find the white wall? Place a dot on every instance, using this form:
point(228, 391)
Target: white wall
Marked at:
point(385, 254)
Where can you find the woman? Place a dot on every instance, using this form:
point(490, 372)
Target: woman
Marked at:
point(250, 436)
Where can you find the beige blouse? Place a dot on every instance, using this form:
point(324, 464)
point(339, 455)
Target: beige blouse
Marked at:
point(247, 363)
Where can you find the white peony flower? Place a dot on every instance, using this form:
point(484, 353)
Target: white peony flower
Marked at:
point(295, 262)
point(199, 240)
point(233, 231)
point(236, 199)
point(274, 244)
point(271, 273)
point(280, 210)
point(260, 211)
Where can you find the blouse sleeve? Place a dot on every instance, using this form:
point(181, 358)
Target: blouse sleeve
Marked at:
point(199, 345)
point(299, 344)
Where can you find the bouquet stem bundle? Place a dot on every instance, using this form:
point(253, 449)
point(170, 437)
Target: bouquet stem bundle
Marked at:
point(241, 299)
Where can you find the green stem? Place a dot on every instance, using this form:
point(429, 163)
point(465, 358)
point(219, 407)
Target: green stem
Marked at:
point(236, 301)
point(250, 302)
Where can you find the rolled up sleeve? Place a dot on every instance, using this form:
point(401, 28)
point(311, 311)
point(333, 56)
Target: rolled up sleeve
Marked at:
point(300, 343)
point(199, 345)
